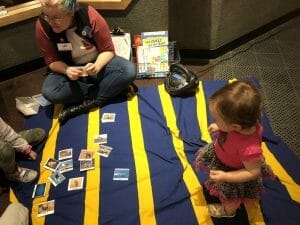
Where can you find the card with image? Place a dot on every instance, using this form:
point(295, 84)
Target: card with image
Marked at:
point(39, 190)
point(86, 155)
point(100, 139)
point(108, 117)
point(121, 174)
point(104, 150)
point(56, 178)
point(87, 165)
point(51, 164)
point(65, 166)
point(65, 154)
point(46, 208)
point(75, 183)
point(83, 73)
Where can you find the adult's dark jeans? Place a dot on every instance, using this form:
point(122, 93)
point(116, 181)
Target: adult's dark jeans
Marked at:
point(111, 80)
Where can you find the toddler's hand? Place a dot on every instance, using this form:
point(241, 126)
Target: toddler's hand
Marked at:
point(32, 155)
point(213, 128)
point(217, 176)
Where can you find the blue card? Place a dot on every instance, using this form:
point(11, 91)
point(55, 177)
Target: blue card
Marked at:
point(39, 190)
point(121, 174)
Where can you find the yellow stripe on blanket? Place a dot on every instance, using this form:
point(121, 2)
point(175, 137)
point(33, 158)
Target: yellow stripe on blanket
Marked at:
point(144, 187)
point(92, 189)
point(12, 196)
point(48, 152)
point(190, 179)
point(292, 187)
point(202, 114)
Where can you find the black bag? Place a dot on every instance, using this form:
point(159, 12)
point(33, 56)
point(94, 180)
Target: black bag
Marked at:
point(180, 81)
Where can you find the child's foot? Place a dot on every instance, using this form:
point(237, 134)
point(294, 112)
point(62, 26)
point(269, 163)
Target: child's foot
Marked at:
point(33, 136)
point(219, 211)
point(23, 175)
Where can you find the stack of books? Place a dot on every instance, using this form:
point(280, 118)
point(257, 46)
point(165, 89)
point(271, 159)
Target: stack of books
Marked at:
point(152, 54)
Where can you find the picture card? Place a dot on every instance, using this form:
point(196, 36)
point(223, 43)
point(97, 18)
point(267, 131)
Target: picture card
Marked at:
point(86, 155)
point(108, 117)
point(75, 183)
point(51, 164)
point(56, 178)
point(100, 139)
point(121, 174)
point(104, 150)
point(46, 208)
point(39, 190)
point(65, 154)
point(83, 73)
point(87, 165)
point(65, 166)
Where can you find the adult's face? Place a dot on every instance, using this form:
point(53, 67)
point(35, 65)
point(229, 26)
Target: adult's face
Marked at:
point(56, 18)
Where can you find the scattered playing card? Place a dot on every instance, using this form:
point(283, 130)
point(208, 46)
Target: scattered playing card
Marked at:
point(75, 183)
point(39, 190)
point(108, 117)
point(65, 154)
point(86, 155)
point(83, 73)
point(100, 139)
point(46, 208)
point(56, 178)
point(51, 164)
point(65, 166)
point(121, 174)
point(104, 150)
point(87, 165)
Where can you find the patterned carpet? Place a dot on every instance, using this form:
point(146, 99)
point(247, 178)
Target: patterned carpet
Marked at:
point(273, 59)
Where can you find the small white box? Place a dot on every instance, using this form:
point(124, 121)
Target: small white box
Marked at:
point(27, 105)
point(41, 100)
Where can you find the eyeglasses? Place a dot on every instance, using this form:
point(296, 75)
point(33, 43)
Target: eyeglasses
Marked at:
point(56, 19)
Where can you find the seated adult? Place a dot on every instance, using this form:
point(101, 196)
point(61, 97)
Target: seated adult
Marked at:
point(77, 47)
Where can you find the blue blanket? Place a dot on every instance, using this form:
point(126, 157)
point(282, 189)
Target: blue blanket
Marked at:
point(155, 136)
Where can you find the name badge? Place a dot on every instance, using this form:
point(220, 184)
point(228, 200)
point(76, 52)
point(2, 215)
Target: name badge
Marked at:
point(64, 46)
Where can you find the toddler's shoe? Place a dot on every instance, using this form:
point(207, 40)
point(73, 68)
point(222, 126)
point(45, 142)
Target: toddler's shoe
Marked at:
point(218, 211)
point(33, 136)
point(23, 175)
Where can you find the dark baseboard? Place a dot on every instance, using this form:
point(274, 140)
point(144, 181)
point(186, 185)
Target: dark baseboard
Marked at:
point(21, 69)
point(211, 54)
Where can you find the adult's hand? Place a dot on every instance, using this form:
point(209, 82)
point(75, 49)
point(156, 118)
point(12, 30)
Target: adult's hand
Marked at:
point(92, 69)
point(73, 72)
